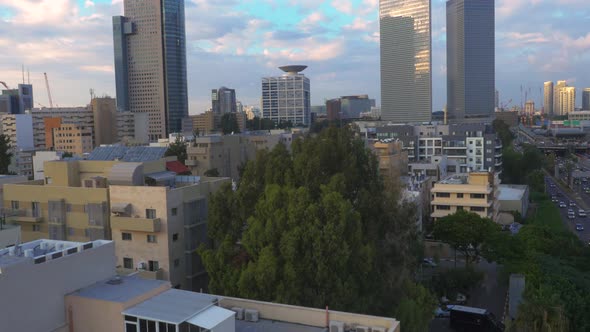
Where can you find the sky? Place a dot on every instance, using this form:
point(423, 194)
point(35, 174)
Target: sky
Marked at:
point(236, 42)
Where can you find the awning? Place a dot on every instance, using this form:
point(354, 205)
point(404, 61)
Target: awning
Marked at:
point(120, 207)
point(177, 167)
point(162, 176)
point(211, 317)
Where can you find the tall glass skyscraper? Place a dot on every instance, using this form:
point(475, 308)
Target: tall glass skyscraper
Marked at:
point(150, 63)
point(406, 60)
point(470, 59)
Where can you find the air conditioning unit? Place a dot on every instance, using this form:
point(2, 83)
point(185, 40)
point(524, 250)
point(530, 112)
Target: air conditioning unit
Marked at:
point(239, 312)
point(336, 326)
point(251, 315)
point(378, 329)
point(362, 329)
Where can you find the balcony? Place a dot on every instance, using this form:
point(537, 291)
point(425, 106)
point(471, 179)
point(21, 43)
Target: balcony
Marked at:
point(136, 224)
point(23, 215)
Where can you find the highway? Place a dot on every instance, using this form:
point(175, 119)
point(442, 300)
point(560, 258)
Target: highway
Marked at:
point(554, 189)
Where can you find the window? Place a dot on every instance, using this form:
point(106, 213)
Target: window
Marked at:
point(478, 196)
point(128, 263)
point(443, 195)
point(14, 205)
point(175, 237)
point(176, 262)
point(477, 209)
point(150, 213)
point(36, 228)
point(443, 207)
point(36, 209)
point(151, 238)
point(459, 208)
point(174, 211)
point(153, 265)
point(126, 236)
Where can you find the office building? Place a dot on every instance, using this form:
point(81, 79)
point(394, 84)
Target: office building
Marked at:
point(470, 59)
point(150, 63)
point(73, 138)
point(557, 97)
point(287, 98)
point(468, 146)
point(586, 99)
point(333, 109)
point(567, 100)
point(36, 276)
point(223, 100)
point(16, 101)
point(548, 98)
point(348, 107)
point(475, 192)
point(406, 60)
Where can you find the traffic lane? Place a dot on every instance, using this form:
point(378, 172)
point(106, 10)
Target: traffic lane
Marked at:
point(570, 223)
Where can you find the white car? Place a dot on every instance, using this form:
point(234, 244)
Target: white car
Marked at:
point(562, 204)
point(571, 215)
point(443, 311)
point(582, 213)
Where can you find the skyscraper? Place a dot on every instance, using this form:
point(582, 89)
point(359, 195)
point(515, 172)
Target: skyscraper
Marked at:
point(567, 100)
point(223, 100)
point(406, 60)
point(557, 97)
point(470, 59)
point(497, 99)
point(586, 99)
point(150, 63)
point(287, 98)
point(548, 98)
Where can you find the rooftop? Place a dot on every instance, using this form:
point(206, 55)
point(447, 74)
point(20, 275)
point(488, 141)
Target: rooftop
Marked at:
point(128, 154)
point(120, 289)
point(456, 179)
point(43, 250)
point(511, 192)
point(264, 325)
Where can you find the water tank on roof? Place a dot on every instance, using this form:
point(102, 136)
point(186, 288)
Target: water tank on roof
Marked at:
point(126, 174)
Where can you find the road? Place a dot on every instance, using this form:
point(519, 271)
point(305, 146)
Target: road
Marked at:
point(555, 189)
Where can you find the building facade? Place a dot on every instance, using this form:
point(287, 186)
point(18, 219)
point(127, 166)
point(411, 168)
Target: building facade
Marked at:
point(557, 97)
point(586, 99)
point(567, 100)
point(548, 98)
point(17, 101)
point(529, 107)
point(223, 100)
point(475, 192)
point(287, 98)
point(470, 59)
point(73, 138)
point(150, 63)
point(406, 60)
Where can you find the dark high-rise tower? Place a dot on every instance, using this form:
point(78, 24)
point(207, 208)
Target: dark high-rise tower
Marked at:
point(223, 100)
point(150, 63)
point(406, 60)
point(470, 59)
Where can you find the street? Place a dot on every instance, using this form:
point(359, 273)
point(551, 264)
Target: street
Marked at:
point(553, 188)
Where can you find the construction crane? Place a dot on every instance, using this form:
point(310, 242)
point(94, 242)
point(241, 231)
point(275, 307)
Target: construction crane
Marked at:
point(48, 91)
point(506, 104)
point(6, 86)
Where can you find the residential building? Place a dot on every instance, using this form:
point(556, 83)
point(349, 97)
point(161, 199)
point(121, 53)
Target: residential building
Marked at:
point(46, 119)
point(7, 179)
point(36, 276)
point(475, 192)
point(205, 123)
point(435, 168)
point(39, 160)
point(557, 97)
point(9, 235)
point(19, 129)
point(567, 100)
point(150, 63)
point(16, 101)
point(287, 98)
point(513, 197)
point(529, 107)
point(49, 125)
point(73, 138)
point(416, 190)
point(406, 60)
point(548, 98)
point(586, 99)
point(470, 59)
point(393, 160)
point(223, 100)
point(21, 163)
point(468, 146)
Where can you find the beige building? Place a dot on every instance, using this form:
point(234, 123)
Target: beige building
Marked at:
point(475, 192)
point(393, 160)
point(529, 107)
point(73, 138)
point(548, 98)
point(567, 100)
point(557, 110)
point(112, 127)
point(579, 116)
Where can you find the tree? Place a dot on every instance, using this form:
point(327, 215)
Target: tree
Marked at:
point(503, 132)
point(67, 155)
point(229, 124)
point(416, 309)
point(467, 233)
point(313, 226)
point(5, 154)
point(212, 173)
point(258, 123)
point(178, 149)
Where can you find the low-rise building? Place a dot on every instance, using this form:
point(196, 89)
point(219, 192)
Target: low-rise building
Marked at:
point(513, 197)
point(393, 160)
point(475, 192)
point(9, 234)
point(39, 160)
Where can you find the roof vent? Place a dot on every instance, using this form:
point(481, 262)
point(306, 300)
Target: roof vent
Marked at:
point(115, 281)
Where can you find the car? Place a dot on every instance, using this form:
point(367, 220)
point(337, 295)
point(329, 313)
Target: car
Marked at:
point(443, 311)
point(562, 204)
point(552, 185)
point(582, 213)
point(571, 215)
point(579, 227)
point(429, 262)
point(554, 199)
point(460, 299)
point(572, 203)
point(570, 211)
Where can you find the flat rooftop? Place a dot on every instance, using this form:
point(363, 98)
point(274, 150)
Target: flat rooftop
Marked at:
point(120, 288)
point(511, 193)
point(264, 325)
point(455, 179)
point(43, 250)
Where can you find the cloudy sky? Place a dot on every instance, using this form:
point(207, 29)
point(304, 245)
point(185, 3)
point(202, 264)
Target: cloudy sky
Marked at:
point(235, 42)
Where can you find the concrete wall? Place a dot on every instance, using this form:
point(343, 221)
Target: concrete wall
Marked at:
point(34, 293)
point(9, 235)
point(7, 180)
point(39, 160)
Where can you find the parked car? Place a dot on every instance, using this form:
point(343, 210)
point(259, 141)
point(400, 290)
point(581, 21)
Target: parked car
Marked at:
point(579, 227)
point(460, 299)
point(582, 213)
point(562, 204)
point(429, 262)
point(443, 311)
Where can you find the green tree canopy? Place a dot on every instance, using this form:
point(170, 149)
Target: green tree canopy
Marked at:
point(229, 124)
point(178, 149)
point(5, 154)
point(213, 172)
point(258, 123)
point(313, 226)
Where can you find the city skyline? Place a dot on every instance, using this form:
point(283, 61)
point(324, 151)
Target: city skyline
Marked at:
point(338, 40)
